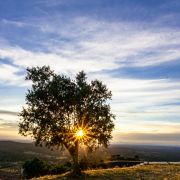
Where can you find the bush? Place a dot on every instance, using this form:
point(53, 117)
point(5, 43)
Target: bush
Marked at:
point(58, 169)
point(36, 168)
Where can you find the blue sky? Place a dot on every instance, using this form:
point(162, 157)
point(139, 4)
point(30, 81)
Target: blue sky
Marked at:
point(131, 45)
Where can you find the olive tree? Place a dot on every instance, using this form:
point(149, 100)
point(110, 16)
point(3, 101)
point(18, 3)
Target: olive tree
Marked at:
point(61, 111)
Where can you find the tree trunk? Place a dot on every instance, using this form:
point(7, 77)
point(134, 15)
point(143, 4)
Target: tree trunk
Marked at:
point(76, 168)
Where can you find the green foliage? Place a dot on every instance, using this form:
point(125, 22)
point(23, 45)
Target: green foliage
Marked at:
point(36, 168)
point(57, 106)
point(59, 169)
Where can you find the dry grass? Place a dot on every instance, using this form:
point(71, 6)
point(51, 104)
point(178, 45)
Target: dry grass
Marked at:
point(12, 173)
point(149, 172)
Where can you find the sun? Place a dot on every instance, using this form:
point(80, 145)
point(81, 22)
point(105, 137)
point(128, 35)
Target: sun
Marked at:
point(80, 133)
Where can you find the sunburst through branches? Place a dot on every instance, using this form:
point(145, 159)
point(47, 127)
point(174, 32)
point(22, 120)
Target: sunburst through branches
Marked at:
point(81, 134)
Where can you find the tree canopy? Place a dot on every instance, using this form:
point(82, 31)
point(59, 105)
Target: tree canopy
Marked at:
point(57, 107)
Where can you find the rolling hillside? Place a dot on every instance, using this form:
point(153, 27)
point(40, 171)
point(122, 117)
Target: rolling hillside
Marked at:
point(145, 172)
point(16, 151)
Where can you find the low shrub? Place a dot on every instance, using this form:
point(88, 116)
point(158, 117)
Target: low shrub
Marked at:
point(37, 167)
point(58, 169)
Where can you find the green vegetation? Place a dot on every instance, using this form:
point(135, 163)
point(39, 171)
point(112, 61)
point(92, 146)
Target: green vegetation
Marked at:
point(145, 172)
point(36, 168)
point(65, 112)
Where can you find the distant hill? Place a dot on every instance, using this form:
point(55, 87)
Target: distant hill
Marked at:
point(15, 151)
point(147, 152)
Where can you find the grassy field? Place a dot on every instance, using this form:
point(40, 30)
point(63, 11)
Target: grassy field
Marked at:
point(149, 172)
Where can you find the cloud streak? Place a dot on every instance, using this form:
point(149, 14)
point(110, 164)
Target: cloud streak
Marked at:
point(97, 45)
point(101, 48)
point(8, 112)
point(147, 138)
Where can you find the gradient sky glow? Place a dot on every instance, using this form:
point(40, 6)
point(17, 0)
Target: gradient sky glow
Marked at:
point(133, 46)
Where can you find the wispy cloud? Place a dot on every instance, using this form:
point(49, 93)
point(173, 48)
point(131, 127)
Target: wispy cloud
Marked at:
point(13, 23)
point(100, 47)
point(8, 112)
point(93, 45)
point(9, 75)
point(147, 138)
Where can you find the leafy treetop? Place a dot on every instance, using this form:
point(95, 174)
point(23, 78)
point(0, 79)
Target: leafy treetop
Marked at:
point(58, 106)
